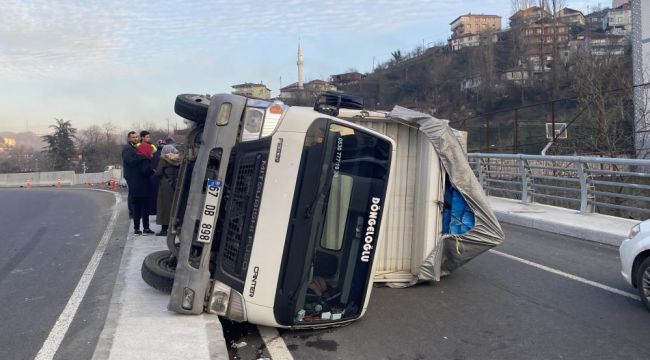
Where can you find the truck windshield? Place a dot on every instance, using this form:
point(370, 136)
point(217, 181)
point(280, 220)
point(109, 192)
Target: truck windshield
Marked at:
point(334, 224)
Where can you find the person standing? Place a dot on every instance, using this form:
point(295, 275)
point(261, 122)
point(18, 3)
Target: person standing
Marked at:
point(142, 189)
point(167, 170)
point(128, 156)
point(155, 180)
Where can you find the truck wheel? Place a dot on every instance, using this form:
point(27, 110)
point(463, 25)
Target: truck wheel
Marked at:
point(643, 282)
point(192, 107)
point(158, 270)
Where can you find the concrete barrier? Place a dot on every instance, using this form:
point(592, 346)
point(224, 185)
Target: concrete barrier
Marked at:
point(93, 178)
point(54, 178)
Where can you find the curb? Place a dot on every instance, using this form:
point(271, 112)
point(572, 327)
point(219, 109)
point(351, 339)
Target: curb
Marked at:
point(599, 236)
point(138, 324)
point(603, 229)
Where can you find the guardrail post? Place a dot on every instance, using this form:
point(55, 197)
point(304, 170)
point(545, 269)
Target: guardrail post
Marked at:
point(527, 191)
point(587, 196)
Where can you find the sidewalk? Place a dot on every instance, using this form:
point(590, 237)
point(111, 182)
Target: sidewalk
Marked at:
point(594, 227)
point(138, 324)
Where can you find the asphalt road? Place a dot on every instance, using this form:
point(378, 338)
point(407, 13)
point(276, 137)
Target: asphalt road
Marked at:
point(493, 308)
point(48, 237)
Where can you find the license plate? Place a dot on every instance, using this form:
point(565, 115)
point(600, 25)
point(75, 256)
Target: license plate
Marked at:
point(206, 229)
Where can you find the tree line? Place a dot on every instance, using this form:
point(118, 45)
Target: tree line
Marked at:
point(67, 148)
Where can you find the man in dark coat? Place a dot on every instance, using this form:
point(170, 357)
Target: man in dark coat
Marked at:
point(129, 152)
point(137, 172)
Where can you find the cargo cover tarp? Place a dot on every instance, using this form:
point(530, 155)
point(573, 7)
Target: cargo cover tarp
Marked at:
point(453, 250)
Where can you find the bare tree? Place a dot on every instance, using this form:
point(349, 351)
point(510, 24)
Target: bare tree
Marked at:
point(603, 85)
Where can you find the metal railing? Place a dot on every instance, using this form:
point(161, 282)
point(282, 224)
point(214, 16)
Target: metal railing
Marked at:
point(612, 186)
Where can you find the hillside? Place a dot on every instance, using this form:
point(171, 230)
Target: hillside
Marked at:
point(477, 90)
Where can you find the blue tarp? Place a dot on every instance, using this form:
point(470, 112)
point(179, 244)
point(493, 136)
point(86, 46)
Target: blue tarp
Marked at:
point(457, 216)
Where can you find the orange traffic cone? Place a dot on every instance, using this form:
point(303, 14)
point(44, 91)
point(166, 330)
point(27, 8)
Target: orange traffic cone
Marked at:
point(28, 183)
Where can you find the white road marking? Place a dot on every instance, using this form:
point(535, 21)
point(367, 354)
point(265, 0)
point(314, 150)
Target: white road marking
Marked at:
point(53, 341)
point(567, 275)
point(274, 343)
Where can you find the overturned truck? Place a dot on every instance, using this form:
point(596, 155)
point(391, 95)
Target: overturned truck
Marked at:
point(285, 216)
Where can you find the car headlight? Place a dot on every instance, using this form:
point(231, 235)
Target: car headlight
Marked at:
point(634, 231)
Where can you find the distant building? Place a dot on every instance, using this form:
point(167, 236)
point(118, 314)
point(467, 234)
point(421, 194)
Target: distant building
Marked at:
point(542, 39)
point(259, 91)
point(469, 40)
point(599, 44)
point(571, 17)
point(291, 91)
point(474, 24)
point(470, 84)
point(596, 21)
point(617, 3)
point(528, 16)
point(7, 142)
point(517, 75)
point(619, 20)
point(314, 87)
point(319, 86)
point(347, 79)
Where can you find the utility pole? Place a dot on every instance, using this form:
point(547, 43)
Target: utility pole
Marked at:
point(641, 61)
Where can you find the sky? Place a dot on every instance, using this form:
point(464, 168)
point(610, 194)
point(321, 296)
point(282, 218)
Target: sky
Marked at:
point(124, 62)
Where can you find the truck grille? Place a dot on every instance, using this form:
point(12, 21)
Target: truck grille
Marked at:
point(242, 193)
point(238, 210)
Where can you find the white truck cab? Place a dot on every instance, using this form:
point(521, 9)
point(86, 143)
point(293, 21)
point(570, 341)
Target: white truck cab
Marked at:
point(278, 213)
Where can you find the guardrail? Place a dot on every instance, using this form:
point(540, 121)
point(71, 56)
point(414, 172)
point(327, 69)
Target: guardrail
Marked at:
point(612, 186)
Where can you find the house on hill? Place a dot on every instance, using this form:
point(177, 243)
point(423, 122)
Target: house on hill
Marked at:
point(571, 17)
point(259, 91)
point(311, 88)
point(619, 20)
point(596, 21)
point(474, 24)
point(347, 79)
point(528, 16)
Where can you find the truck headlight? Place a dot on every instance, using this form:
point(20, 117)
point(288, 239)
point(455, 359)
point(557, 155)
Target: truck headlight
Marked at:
point(253, 121)
point(634, 231)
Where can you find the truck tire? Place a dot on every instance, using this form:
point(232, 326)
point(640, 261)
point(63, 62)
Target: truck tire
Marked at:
point(643, 282)
point(158, 270)
point(192, 107)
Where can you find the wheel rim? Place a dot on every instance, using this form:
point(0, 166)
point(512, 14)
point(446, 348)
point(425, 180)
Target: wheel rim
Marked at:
point(645, 283)
point(169, 263)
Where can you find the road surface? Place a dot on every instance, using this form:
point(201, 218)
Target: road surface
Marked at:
point(48, 238)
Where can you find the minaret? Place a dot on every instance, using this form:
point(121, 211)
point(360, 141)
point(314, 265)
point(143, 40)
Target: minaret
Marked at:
point(299, 66)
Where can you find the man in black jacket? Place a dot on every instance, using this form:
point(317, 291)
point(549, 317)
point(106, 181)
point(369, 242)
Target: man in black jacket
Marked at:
point(135, 173)
point(128, 152)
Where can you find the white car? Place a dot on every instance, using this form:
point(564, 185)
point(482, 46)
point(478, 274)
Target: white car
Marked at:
point(635, 260)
